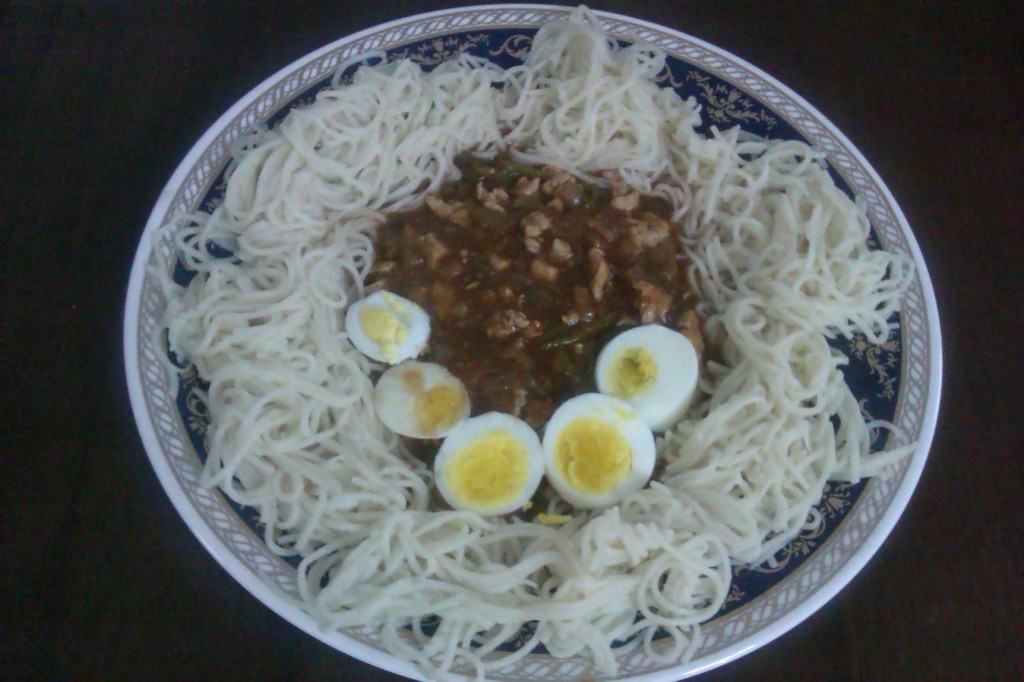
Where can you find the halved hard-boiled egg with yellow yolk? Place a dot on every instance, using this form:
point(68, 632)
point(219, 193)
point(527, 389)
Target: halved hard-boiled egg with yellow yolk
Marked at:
point(597, 450)
point(491, 464)
point(420, 400)
point(387, 328)
point(654, 369)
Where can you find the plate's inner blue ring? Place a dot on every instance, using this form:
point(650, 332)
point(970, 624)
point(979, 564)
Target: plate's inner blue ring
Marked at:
point(873, 372)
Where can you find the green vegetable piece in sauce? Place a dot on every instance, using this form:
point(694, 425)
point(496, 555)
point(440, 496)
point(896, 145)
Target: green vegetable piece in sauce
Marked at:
point(535, 295)
point(566, 336)
point(526, 202)
point(528, 171)
point(491, 219)
point(589, 198)
point(565, 362)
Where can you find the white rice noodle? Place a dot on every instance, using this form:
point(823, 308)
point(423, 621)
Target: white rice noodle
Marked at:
point(779, 256)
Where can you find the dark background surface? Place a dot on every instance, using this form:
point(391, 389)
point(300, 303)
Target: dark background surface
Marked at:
point(102, 580)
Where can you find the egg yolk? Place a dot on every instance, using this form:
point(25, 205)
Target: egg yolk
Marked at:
point(489, 472)
point(592, 456)
point(385, 329)
point(438, 407)
point(632, 372)
point(553, 519)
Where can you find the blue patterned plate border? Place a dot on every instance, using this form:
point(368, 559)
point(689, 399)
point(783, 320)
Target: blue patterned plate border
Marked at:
point(897, 380)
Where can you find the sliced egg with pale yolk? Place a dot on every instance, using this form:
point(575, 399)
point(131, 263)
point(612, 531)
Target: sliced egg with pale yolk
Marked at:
point(597, 450)
point(491, 464)
point(654, 369)
point(420, 400)
point(387, 328)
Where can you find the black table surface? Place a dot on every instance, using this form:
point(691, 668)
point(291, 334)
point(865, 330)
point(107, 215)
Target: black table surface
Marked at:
point(100, 101)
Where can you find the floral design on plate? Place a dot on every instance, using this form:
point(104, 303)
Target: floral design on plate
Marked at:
point(433, 52)
point(724, 105)
point(883, 360)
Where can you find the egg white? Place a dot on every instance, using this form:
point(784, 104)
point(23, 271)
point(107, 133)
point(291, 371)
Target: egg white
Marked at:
point(398, 389)
point(614, 413)
point(472, 430)
point(664, 401)
point(413, 320)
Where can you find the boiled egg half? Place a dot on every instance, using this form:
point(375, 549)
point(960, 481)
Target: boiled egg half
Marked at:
point(597, 450)
point(387, 328)
point(420, 400)
point(654, 369)
point(491, 464)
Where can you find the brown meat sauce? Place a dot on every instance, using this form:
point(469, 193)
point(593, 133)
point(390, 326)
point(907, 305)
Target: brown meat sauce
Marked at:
point(527, 272)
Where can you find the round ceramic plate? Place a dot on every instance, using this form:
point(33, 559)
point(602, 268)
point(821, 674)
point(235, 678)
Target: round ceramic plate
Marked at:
point(897, 380)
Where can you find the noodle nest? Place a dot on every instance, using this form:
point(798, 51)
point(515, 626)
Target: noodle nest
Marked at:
point(779, 254)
